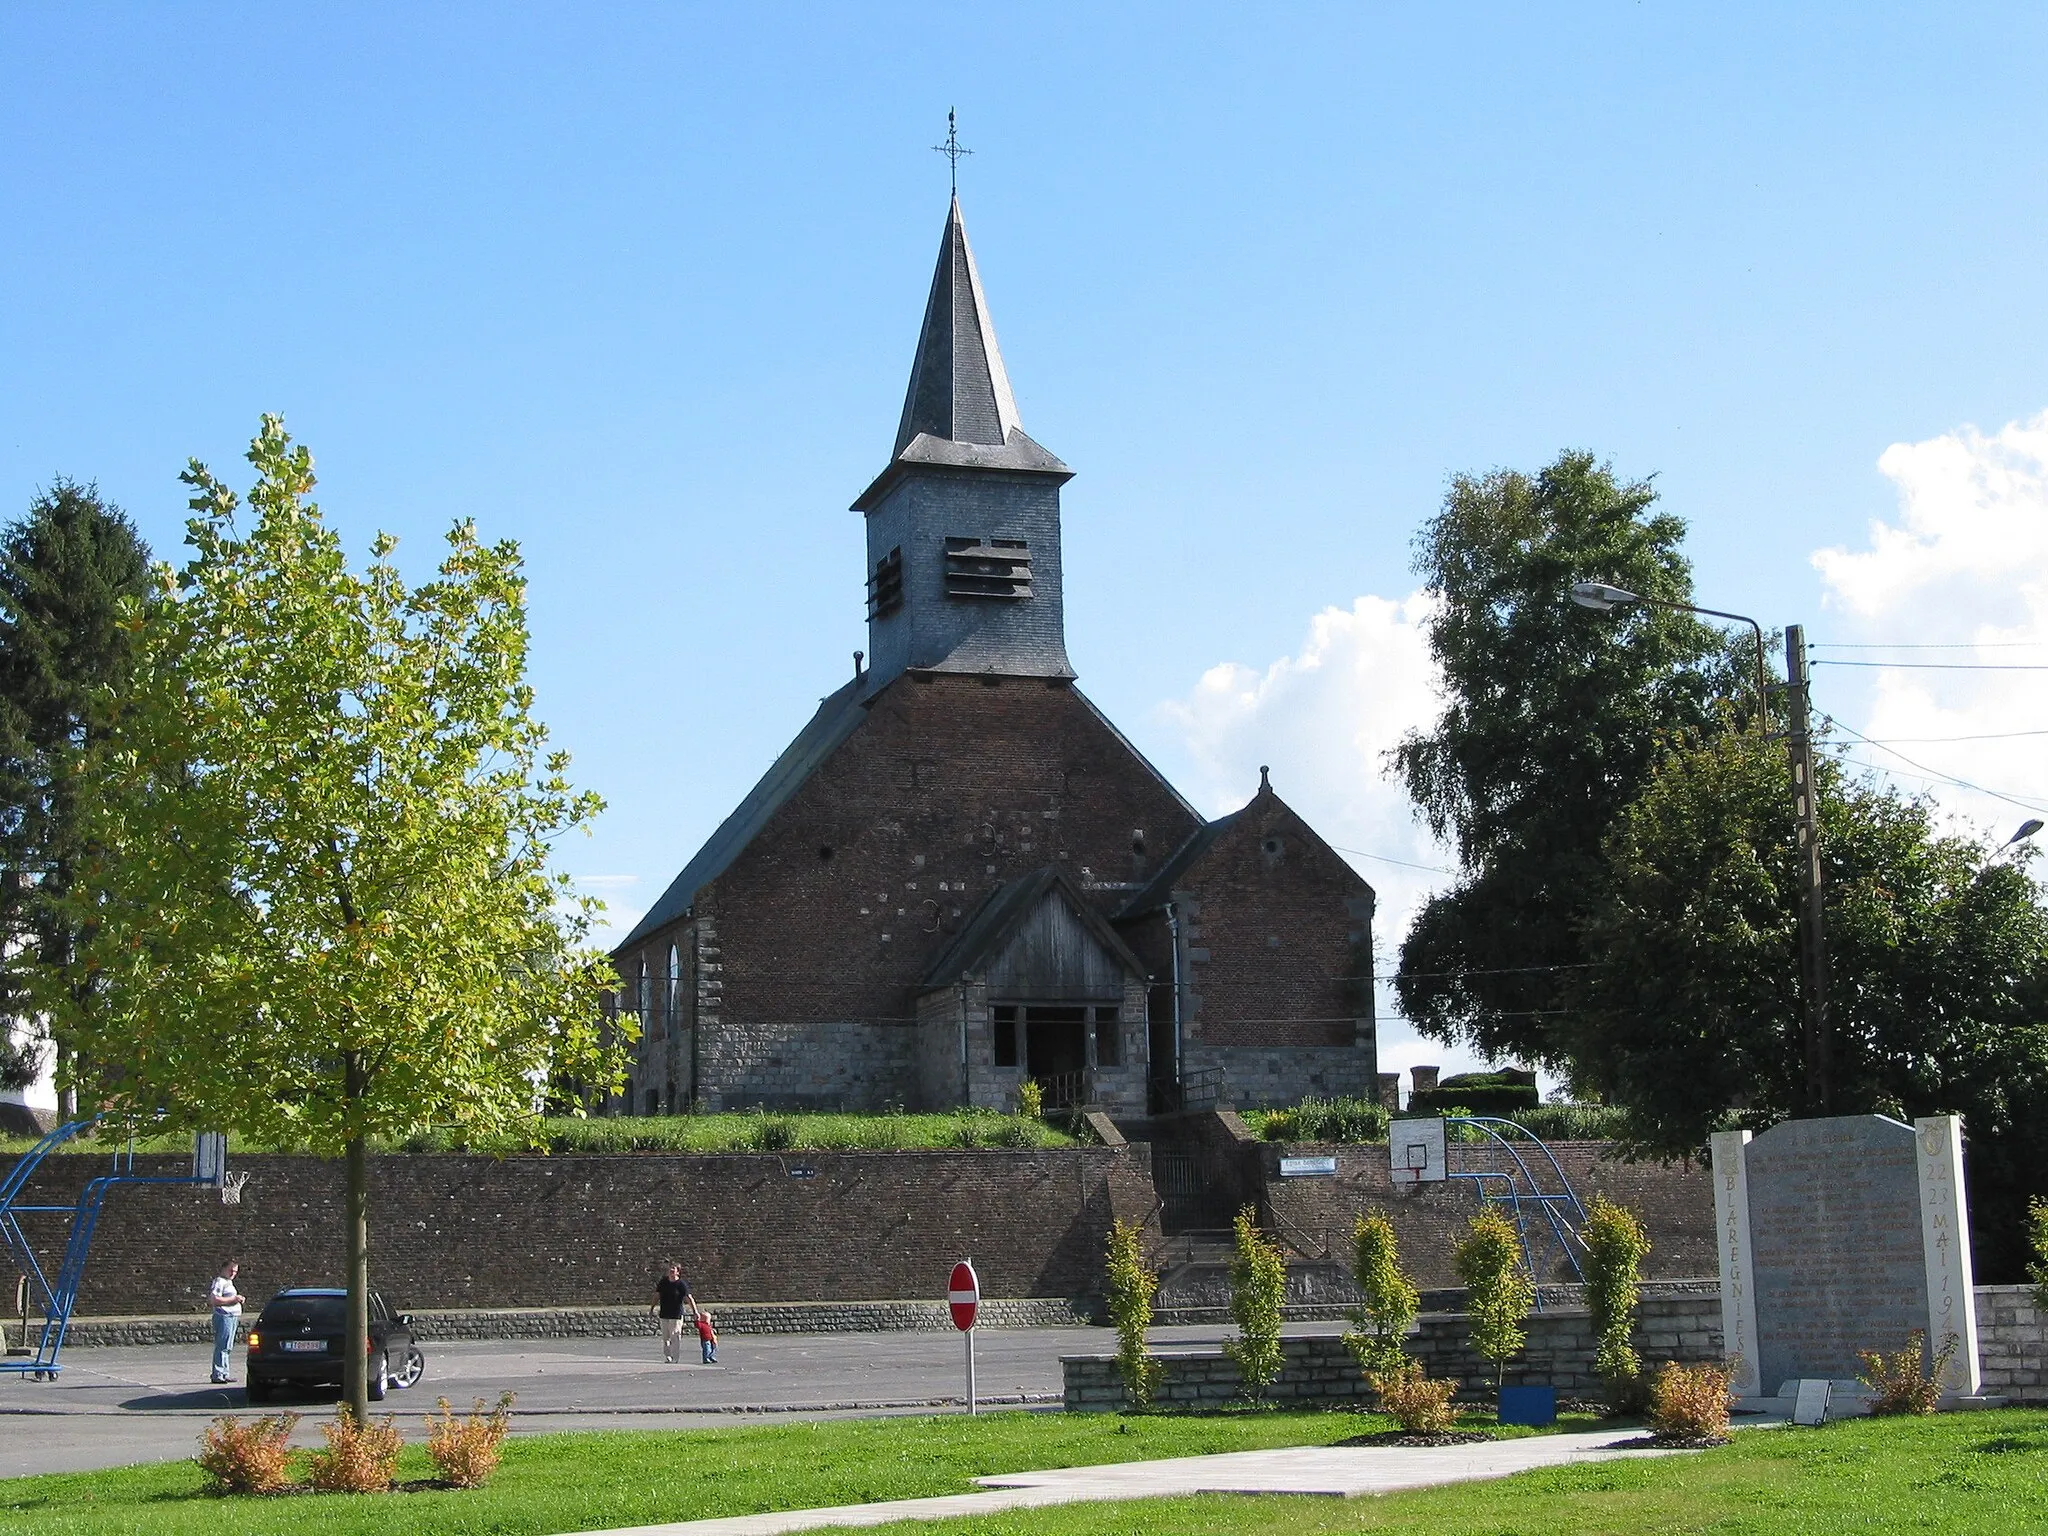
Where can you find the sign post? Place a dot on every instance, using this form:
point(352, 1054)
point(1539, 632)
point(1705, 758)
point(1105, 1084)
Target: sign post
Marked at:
point(963, 1295)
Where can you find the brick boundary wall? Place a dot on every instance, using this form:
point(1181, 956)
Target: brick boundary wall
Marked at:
point(1677, 1322)
point(2012, 1343)
point(535, 1234)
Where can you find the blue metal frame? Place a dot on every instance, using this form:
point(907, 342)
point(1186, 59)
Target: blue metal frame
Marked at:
point(1561, 1211)
point(60, 1297)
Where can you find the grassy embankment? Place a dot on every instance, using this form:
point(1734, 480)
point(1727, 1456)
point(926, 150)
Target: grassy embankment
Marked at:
point(750, 1132)
point(1959, 1473)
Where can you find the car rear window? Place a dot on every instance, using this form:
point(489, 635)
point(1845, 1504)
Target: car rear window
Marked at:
point(323, 1314)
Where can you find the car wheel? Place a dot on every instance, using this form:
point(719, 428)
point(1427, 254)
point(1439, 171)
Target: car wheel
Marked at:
point(380, 1379)
point(410, 1373)
point(257, 1391)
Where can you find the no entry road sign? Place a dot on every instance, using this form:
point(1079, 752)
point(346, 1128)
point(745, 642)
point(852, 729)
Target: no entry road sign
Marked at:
point(963, 1293)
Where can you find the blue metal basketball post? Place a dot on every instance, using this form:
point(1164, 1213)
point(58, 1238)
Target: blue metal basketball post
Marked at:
point(59, 1297)
point(1519, 1193)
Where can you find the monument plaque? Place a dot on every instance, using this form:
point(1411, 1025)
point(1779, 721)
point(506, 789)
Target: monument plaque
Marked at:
point(1842, 1234)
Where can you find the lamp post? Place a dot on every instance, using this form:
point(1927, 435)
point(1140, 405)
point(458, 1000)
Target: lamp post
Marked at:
point(1602, 598)
point(1813, 943)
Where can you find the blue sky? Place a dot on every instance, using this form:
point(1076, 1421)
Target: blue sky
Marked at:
point(637, 287)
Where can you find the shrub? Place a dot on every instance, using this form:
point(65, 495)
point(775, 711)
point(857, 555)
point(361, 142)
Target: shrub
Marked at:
point(1314, 1119)
point(1505, 1093)
point(1391, 1300)
point(1258, 1288)
point(1015, 1131)
point(1899, 1380)
point(1690, 1402)
point(774, 1134)
point(248, 1458)
point(1030, 1100)
point(2037, 1240)
point(1573, 1122)
point(1131, 1286)
point(1489, 1261)
point(1616, 1245)
point(466, 1450)
point(360, 1457)
point(1417, 1404)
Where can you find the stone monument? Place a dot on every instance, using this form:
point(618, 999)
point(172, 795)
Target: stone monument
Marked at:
point(1842, 1234)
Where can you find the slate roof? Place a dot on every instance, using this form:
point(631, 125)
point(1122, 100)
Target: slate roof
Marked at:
point(1004, 911)
point(958, 411)
point(837, 718)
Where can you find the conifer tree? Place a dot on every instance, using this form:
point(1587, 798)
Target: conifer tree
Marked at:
point(66, 569)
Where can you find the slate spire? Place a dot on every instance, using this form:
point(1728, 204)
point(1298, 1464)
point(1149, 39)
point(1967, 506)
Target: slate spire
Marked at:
point(958, 391)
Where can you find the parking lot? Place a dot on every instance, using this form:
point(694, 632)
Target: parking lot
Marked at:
point(115, 1406)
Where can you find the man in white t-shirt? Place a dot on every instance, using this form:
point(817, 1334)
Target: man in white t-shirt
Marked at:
point(227, 1312)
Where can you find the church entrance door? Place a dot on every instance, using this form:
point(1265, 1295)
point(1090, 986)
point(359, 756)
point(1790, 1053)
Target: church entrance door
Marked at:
point(1056, 1053)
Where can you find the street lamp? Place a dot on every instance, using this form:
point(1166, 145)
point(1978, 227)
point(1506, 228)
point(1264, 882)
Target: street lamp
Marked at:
point(2027, 829)
point(1602, 598)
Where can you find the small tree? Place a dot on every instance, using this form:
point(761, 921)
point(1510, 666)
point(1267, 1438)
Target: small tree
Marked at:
point(1391, 1300)
point(2037, 1242)
point(1131, 1286)
point(319, 908)
point(1489, 1261)
point(1616, 1245)
point(1258, 1289)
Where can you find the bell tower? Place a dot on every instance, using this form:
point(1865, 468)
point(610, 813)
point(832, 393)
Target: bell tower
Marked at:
point(963, 524)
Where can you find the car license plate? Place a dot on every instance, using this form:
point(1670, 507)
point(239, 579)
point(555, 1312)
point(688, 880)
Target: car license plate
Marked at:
point(305, 1346)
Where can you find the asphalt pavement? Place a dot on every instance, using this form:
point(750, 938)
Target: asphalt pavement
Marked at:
point(111, 1407)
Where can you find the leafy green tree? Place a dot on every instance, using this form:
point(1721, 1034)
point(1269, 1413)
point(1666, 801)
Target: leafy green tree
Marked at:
point(1499, 1294)
point(2037, 1243)
point(1390, 1300)
point(1131, 1288)
point(66, 569)
point(1553, 719)
point(1258, 1291)
point(322, 909)
point(1616, 1245)
point(1938, 959)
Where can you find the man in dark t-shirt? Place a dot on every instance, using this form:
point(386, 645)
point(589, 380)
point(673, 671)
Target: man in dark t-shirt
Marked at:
point(672, 1299)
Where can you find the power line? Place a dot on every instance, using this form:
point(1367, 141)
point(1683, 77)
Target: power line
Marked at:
point(2025, 805)
point(1940, 666)
point(1983, 736)
point(1953, 645)
point(1435, 869)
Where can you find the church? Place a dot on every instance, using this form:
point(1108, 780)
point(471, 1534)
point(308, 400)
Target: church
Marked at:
point(960, 876)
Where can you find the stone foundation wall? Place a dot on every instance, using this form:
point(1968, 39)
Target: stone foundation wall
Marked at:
point(854, 1065)
point(1256, 1076)
point(2012, 1343)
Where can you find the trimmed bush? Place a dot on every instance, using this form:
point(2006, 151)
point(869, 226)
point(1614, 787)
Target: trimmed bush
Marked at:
point(1258, 1288)
point(1906, 1382)
point(1416, 1403)
point(1690, 1402)
point(466, 1449)
point(360, 1457)
point(1130, 1289)
point(248, 1458)
point(1505, 1093)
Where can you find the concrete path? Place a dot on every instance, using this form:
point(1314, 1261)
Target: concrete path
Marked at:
point(1341, 1471)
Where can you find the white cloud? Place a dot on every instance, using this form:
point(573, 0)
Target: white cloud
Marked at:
point(1964, 565)
point(1324, 719)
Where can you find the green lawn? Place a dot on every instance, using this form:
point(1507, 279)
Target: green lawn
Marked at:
point(793, 1132)
point(1960, 1473)
point(1971, 1474)
point(554, 1483)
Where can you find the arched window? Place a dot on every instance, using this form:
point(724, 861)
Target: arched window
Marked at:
point(646, 1000)
point(675, 987)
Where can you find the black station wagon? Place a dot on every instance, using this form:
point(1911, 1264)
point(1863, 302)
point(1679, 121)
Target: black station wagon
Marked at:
point(298, 1340)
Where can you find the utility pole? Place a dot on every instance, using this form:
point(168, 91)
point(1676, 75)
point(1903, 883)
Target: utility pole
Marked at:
point(1813, 938)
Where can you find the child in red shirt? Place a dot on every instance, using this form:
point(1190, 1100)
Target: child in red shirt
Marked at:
point(707, 1336)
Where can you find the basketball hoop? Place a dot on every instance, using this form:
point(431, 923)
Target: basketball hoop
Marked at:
point(231, 1188)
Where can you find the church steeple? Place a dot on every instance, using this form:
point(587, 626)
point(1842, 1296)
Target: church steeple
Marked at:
point(964, 522)
point(959, 390)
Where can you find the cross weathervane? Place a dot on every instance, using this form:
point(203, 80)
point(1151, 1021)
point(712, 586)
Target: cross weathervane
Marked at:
point(951, 150)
